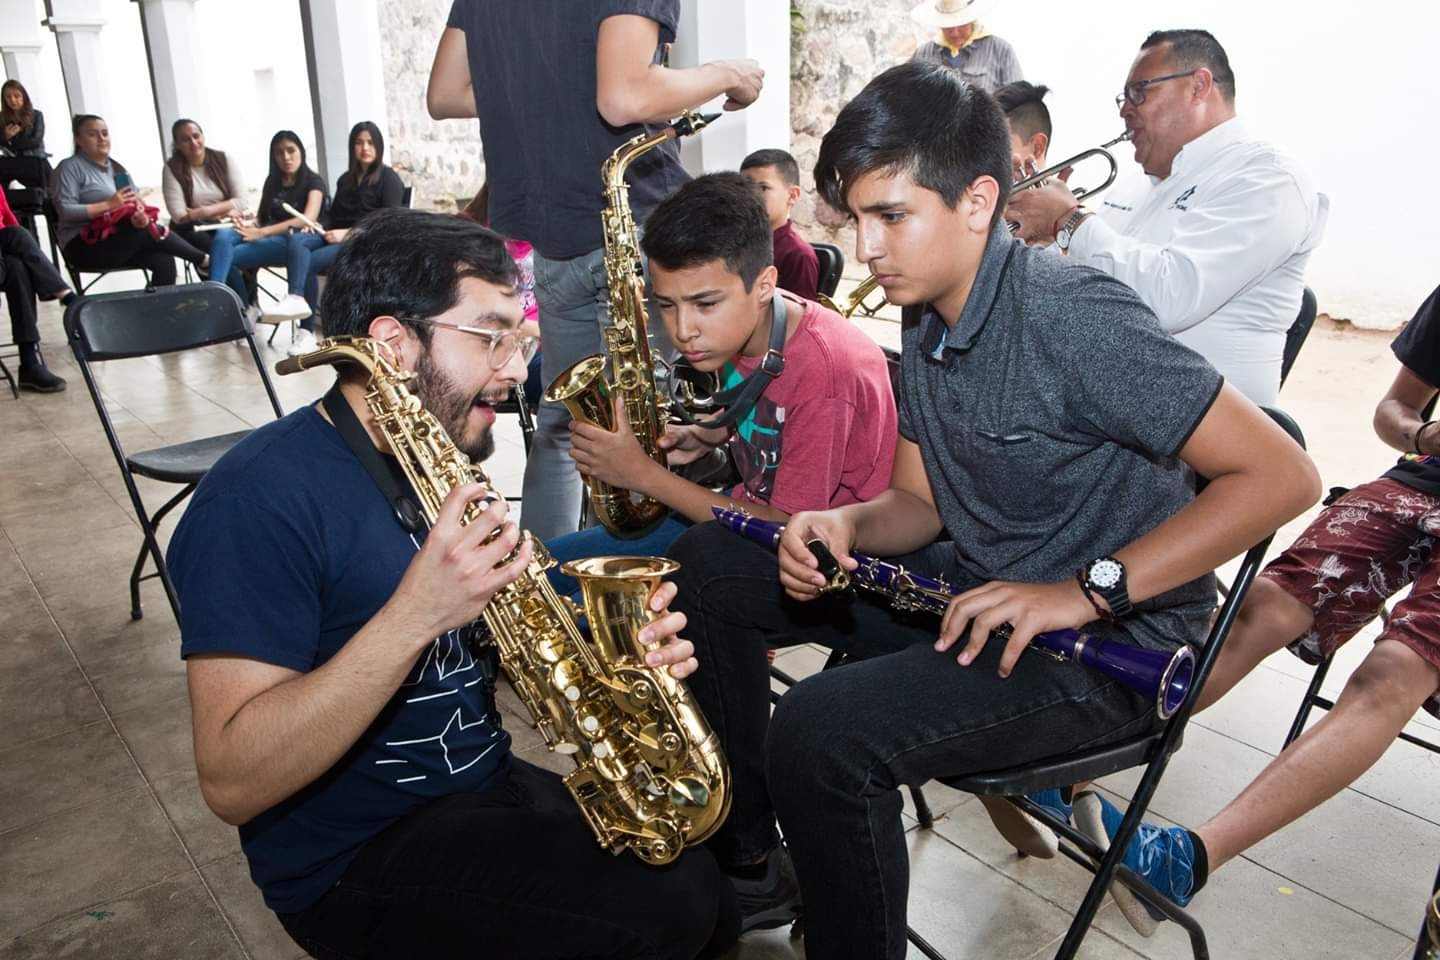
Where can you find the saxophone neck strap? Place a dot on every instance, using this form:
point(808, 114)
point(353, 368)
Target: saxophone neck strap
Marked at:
point(738, 400)
point(383, 470)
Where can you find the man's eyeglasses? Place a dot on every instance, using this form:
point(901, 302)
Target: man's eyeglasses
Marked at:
point(504, 344)
point(1135, 92)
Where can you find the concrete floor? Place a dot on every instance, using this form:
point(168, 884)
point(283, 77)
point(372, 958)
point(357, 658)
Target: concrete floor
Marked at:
point(106, 849)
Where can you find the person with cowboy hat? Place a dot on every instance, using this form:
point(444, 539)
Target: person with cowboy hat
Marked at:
point(964, 44)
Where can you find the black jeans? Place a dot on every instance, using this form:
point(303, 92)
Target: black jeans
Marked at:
point(26, 273)
point(514, 871)
point(830, 761)
point(131, 247)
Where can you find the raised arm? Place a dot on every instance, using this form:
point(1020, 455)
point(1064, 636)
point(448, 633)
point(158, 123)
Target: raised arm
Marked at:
point(248, 715)
point(629, 88)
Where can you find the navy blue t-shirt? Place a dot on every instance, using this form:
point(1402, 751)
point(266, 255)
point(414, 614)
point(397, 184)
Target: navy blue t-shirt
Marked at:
point(1418, 347)
point(287, 549)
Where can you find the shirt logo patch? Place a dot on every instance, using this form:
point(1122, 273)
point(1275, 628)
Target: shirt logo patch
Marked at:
point(1182, 202)
point(1124, 207)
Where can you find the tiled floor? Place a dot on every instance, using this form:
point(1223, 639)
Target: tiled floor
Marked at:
point(107, 851)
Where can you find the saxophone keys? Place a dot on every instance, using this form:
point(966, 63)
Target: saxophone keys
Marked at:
point(689, 791)
point(566, 677)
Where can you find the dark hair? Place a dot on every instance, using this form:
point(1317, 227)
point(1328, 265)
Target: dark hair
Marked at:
point(478, 209)
point(372, 172)
point(1024, 107)
point(409, 263)
point(78, 121)
point(783, 163)
point(25, 116)
point(920, 119)
point(217, 166)
point(719, 216)
point(1193, 49)
point(275, 179)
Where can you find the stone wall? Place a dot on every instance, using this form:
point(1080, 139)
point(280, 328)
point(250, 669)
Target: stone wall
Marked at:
point(837, 46)
point(441, 158)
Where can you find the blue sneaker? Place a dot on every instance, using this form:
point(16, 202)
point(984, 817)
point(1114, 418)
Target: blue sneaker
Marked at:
point(1026, 834)
point(1163, 856)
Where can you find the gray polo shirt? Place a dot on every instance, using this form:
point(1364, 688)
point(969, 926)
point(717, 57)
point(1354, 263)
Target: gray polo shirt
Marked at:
point(1049, 419)
point(78, 182)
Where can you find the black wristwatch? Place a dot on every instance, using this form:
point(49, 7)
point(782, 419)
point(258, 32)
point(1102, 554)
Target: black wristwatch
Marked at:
point(1106, 576)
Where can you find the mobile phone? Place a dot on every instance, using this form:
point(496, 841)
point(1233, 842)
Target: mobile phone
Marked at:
point(123, 181)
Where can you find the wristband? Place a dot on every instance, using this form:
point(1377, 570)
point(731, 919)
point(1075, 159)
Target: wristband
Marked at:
point(1419, 432)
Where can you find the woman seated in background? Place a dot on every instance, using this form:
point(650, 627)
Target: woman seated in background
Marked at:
point(279, 238)
point(104, 225)
point(25, 274)
point(367, 186)
point(200, 186)
point(22, 127)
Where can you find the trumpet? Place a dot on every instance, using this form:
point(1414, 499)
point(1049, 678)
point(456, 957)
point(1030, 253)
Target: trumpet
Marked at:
point(856, 300)
point(1041, 176)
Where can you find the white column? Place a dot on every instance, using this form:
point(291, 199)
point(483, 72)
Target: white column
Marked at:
point(754, 29)
point(77, 24)
point(20, 42)
point(347, 84)
point(170, 45)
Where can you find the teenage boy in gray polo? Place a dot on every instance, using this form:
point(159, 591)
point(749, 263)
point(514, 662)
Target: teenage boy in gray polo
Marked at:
point(1047, 426)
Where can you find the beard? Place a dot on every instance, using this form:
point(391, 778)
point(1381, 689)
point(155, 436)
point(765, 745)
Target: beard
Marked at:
point(450, 405)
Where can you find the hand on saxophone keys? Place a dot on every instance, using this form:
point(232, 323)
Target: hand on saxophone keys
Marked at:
point(459, 567)
point(1012, 613)
point(663, 634)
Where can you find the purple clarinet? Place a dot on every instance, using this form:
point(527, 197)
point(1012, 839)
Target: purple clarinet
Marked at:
point(1155, 674)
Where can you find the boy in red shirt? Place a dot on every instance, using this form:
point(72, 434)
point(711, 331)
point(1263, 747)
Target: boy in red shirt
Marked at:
point(776, 175)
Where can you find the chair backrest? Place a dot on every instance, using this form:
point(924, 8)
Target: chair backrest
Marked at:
point(1299, 330)
point(140, 323)
point(832, 265)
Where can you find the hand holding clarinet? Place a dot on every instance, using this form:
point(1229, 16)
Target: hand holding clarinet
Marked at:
point(816, 558)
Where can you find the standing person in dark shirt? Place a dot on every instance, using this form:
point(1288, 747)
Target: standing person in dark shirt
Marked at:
point(22, 127)
point(777, 177)
point(557, 86)
point(1360, 551)
point(342, 719)
point(1027, 433)
point(279, 238)
point(964, 45)
point(368, 185)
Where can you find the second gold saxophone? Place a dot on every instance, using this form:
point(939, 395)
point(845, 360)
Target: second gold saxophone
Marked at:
point(582, 386)
point(650, 776)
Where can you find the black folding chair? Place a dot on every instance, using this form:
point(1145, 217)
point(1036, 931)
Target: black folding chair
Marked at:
point(120, 326)
point(832, 265)
point(1153, 750)
point(1298, 332)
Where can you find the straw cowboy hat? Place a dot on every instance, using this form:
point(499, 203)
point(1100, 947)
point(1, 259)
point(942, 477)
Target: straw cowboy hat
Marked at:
point(949, 13)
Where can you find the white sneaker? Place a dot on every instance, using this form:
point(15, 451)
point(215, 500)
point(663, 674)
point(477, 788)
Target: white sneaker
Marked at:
point(304, 342)
point(292, 307)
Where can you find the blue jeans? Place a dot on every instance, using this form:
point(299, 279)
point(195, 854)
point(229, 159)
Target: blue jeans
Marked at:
point(830, 762)
point(291, 251)
point(321, 260)
point(599, 542)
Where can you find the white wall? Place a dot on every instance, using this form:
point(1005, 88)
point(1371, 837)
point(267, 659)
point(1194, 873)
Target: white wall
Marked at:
point(1351, 93)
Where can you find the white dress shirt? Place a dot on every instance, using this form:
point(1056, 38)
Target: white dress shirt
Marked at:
point(1217, 249)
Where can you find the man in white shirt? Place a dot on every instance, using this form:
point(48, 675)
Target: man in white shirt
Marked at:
point(1216, 237)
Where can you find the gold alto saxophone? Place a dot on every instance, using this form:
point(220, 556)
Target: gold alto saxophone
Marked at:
point(582, 386)
point(650, 775)
point(856, 300)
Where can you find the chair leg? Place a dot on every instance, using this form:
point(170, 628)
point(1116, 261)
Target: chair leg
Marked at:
point(922, 810)
point(9, 378)
point(1311, 698)
point(151, 545)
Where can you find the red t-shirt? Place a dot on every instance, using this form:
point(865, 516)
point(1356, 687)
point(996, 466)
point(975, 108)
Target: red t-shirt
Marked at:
point(7, 216)
point(796, 262)
point(823, 432)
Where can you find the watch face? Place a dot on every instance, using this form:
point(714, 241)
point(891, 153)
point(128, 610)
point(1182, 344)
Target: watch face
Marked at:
point(1105, 573)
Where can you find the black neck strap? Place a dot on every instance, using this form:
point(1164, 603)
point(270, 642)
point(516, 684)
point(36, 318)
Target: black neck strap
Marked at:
point(738, 400)
point(383, 470)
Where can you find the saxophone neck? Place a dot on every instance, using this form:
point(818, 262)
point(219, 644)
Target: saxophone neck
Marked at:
point(687, 124)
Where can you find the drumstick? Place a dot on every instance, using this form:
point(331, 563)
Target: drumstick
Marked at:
point(212, 226)
point(302, 218)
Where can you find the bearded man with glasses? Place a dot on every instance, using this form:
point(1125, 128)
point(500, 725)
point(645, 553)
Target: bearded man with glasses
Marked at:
point(343, 718)
point(1215, 238)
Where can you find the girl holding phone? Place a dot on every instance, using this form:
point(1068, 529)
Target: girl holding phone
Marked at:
point(103, 223)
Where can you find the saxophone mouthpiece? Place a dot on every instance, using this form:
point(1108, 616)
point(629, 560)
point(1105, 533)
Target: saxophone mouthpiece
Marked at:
point(690, 123)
